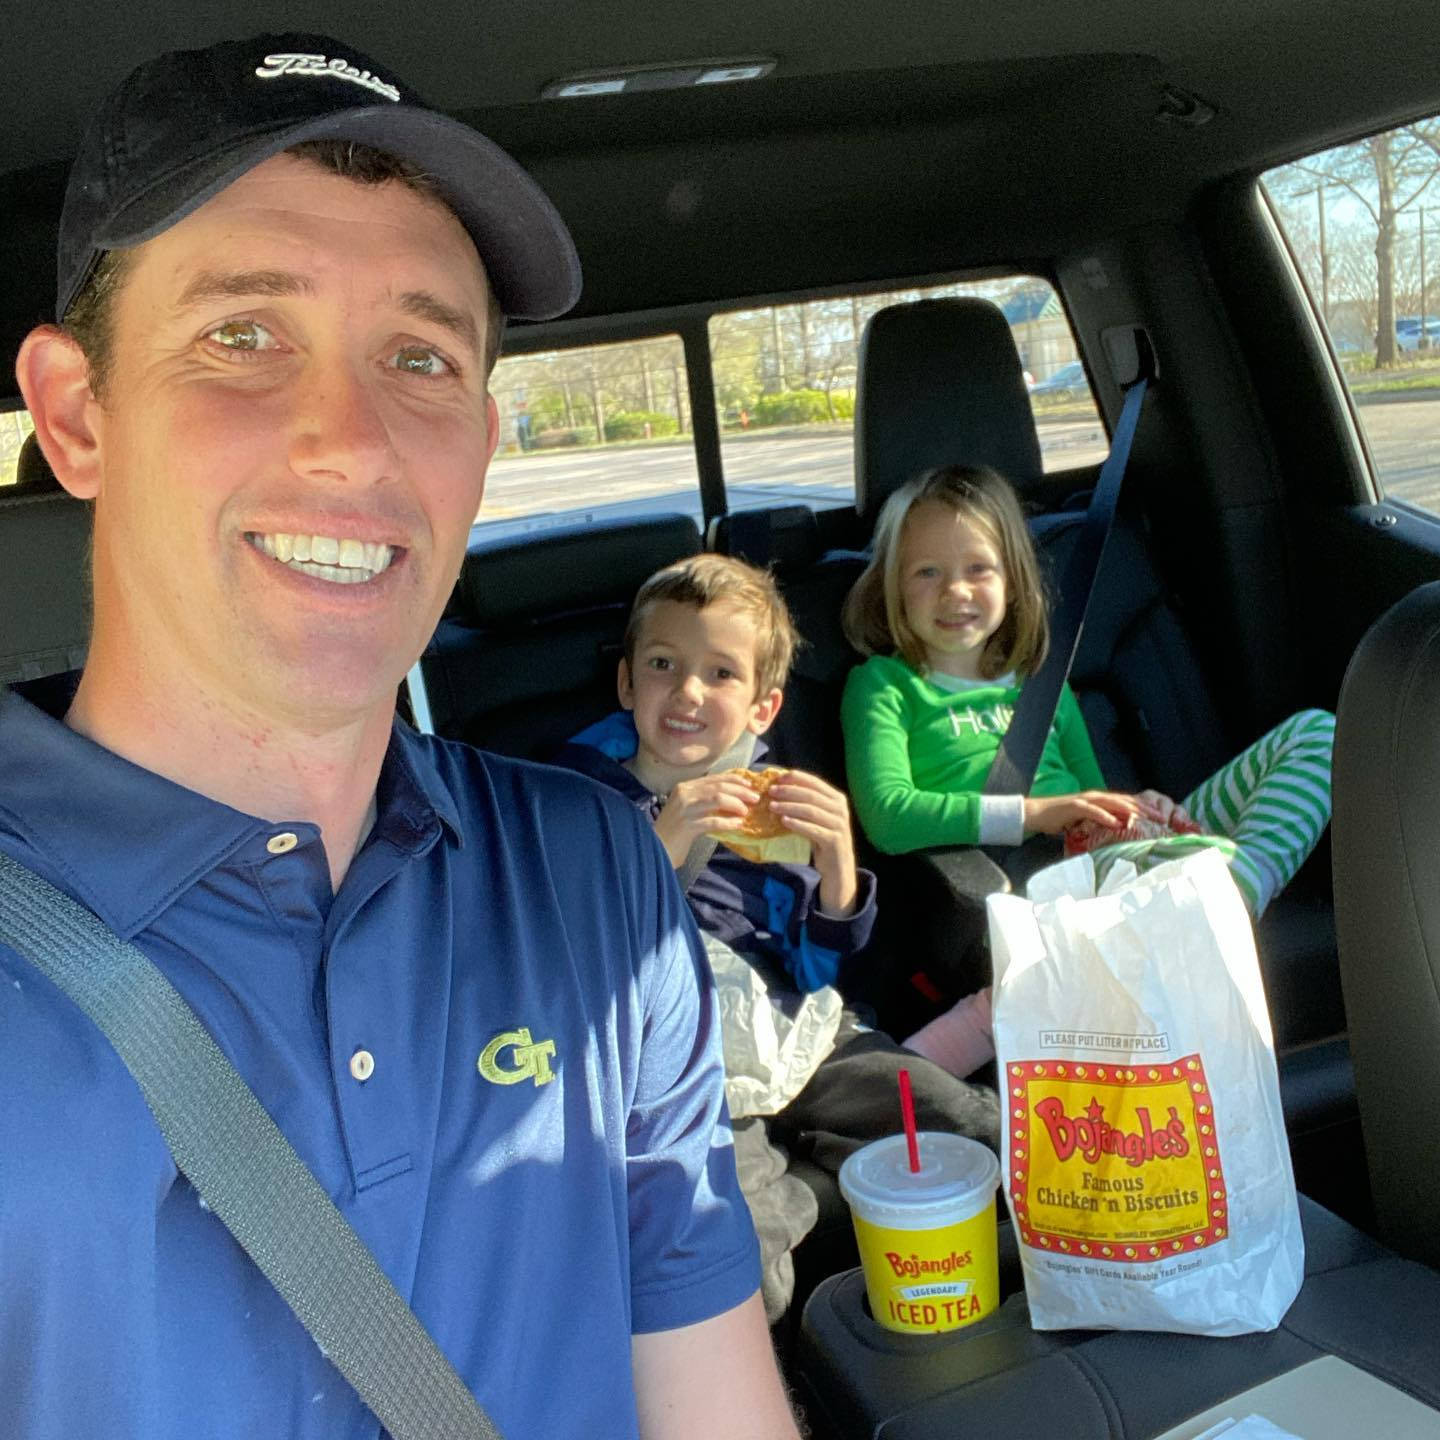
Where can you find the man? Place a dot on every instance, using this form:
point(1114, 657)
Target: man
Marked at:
point(466, 989)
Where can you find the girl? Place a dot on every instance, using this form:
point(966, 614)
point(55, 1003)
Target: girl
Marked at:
point(952, 613)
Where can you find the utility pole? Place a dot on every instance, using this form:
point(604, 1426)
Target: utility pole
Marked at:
point(1319, 192)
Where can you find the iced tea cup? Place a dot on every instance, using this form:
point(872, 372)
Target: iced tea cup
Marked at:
point(926, 1237)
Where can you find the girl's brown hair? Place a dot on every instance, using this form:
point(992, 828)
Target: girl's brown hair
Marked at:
point(874, 615)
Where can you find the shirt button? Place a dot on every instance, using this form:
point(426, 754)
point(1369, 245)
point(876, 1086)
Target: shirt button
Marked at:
point(362, 1065)
point(280, 844)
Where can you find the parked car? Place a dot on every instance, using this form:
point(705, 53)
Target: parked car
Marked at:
point(1066, 383)
point(1410, 329)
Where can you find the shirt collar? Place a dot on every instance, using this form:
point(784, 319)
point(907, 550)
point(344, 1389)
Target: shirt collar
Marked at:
point(616, 738)
point(127, 842)
point(411, 787)
point(958, 684)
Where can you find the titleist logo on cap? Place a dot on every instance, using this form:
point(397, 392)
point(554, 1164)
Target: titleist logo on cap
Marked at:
point(321, 67)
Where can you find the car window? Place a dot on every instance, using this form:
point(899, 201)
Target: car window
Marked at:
point(14, 427)
point(784, 396)
point(1363, 224)
point(596, 432)
point(785, 388)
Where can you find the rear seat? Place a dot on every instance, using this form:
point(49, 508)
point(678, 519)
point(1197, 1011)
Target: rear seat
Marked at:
point(526, 653)
point(1145, 697)
point(1147, 704)
point(940, 382)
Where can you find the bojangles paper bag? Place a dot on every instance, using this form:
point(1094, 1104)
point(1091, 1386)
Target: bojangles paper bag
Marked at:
point(1146, 1164)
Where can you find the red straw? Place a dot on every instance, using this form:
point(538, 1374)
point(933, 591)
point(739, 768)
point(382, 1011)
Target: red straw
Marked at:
point(907, 1114)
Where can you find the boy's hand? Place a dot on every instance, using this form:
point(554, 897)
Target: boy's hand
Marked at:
point(821, 813)
point(695, 805)
point(1050, 814)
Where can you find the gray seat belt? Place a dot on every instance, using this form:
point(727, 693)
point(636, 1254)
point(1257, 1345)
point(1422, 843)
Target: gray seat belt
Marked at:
point(246, 1171)
point(1021, 748)
point(737, 757)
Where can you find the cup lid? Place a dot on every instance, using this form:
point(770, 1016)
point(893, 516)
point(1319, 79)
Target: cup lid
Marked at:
point(956, 1177)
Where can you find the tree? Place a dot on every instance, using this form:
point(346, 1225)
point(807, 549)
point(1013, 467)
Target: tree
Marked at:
point(1386, 174)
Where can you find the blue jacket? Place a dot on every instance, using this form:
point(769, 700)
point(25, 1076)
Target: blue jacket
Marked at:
point(770, 910)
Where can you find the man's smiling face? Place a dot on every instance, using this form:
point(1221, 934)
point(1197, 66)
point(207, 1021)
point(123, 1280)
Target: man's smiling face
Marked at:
point(293, 441)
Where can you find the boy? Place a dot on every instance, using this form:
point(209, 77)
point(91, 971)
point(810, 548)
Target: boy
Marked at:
point(706, 654)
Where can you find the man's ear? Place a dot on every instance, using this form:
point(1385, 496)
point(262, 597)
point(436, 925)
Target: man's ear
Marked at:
point(492, 427)
point(764, 711)
point(55, 381)
point(623, 686)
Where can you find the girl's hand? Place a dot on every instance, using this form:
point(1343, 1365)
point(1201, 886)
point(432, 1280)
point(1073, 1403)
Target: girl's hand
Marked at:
point(1050, 814)
point(810, 807)
point(1167, 811)
point(695, 805)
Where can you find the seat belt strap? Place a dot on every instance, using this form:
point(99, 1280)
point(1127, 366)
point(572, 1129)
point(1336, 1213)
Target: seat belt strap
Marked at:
point(1013, 771)
point(245, 1170)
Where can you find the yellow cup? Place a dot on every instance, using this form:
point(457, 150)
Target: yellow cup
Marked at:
point(926, 1237)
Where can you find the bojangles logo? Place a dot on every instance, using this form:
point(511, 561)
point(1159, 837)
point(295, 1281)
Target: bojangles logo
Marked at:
point(913, 1265)
point(1114, 1162)
point(1092, 1136)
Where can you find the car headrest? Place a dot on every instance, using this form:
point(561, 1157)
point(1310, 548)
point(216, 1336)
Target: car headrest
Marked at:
point(559, 573)
point(786, 537)
point(939, 383)
point(44, 575)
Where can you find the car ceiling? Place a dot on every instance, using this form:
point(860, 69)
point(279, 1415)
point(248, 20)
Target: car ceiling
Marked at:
point(906, 139)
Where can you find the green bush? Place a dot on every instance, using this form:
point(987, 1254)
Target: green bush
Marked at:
point(630, 425)
point(802, 407)
point(790, 407)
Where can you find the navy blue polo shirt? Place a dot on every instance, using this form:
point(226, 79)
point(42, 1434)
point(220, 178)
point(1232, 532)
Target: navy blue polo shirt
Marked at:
point(493, 1046)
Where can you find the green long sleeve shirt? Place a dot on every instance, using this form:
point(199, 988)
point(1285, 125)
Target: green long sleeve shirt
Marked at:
point(917, 753)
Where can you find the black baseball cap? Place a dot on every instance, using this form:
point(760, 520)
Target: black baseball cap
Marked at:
point(182, 127)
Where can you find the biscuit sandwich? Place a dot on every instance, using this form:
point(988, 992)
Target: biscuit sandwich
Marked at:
point(761, 836)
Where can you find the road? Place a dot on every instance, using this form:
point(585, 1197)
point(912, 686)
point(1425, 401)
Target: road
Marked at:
point(548, 488)
point(761, 469)
point(1404, 438)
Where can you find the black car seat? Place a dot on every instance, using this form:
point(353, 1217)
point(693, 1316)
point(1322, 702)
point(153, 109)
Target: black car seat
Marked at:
point(815, 568)
point(1387, 910)
point(526, 653)
point(44, 600)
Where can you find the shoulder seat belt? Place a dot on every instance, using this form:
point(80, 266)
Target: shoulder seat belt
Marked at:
point(1014, 767)
point(1013, 770)
point(248, 1173)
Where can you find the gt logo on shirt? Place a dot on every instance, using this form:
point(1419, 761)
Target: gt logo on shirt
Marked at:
point(531, 1059)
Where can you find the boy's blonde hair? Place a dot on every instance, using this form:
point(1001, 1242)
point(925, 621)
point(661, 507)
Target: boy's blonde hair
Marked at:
point(704, 580)
point(874, 615)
